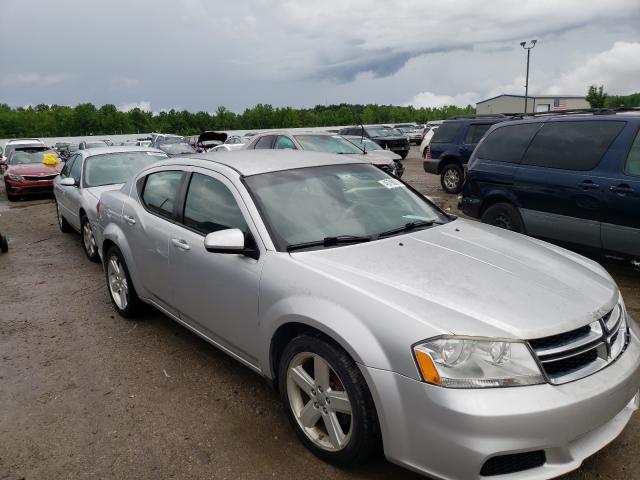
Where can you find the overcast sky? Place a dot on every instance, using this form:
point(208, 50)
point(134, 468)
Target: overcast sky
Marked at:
point(198, 54)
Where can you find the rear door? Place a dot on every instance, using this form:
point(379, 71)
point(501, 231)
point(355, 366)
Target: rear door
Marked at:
point(621, 224)
point(444, 138)
point(558, 182)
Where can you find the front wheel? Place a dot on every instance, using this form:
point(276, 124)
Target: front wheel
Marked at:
point(88, 240)
point(504, 215)
point(452, 178)
point(121, 291)
point(327, 401)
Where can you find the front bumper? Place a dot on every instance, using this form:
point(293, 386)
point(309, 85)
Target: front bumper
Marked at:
point(430, 165)
point(450, 434)
point(470, 206)
point(26, 187)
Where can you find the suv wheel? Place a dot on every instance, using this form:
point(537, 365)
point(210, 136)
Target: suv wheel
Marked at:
point(65, 227)
point(327, 401)
point(121, 291)
point(452, 178)
point(88, 240)
point(504, 215)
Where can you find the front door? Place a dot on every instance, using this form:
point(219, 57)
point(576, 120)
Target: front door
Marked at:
point(216, 293)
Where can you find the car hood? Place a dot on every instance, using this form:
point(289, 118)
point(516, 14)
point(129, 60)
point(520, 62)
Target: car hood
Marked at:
point(481, 280)
point(383, 154)
point(391, 137)
point(373, 159)
point(34, 169)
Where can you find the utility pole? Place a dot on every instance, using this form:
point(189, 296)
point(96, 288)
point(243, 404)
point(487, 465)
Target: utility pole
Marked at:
point(528, 48)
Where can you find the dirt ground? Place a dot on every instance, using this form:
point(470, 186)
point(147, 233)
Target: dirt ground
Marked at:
point(87, 394)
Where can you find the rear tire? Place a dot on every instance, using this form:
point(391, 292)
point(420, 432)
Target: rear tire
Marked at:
point(121, 290)
point(64, 226)
point(316, 403)
point(503, 215)
point(4, 245)
point(88, 240)
point(452, 178)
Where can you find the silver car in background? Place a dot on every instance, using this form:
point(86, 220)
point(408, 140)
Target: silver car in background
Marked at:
point(85, 176)
point(463, 350)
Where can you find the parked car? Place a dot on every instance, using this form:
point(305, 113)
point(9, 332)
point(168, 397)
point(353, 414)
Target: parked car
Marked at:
point(387, 138)
point(225, 147)
point(174, 149)
point(208, 140)
point(343, 275)
point(16, 143)
point(236, 140)
point(452, 145)
point(412, 131)
point(314, 141)
point(85, 176)
point(568, 178)
point(84, 144)
point(372, 148)
point(25, 172)
point(426, 139)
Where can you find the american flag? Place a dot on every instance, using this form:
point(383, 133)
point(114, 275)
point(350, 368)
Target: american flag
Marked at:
point(559, 104)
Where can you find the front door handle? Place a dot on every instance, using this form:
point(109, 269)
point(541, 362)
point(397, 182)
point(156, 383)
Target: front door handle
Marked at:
point(588, 185)
point(180, 243)
point(621, 189)
point(129, 219)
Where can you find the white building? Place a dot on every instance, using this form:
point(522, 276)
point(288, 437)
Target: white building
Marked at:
point(539, 103)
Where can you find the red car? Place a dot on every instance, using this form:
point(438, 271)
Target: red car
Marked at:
point(31, 171)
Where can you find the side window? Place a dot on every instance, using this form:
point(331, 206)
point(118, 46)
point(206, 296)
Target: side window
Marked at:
point(160, 192)
point(632, 166)
point(446, 133)
point(264, 143)
point(76, 169)
point(284, 143)
point(507, 143)
point(210, 206)
point(67, 167)
point(575, 146)
point(476, 132)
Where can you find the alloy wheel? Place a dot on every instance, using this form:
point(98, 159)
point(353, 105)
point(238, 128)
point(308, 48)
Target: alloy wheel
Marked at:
point(88, 239)
point(451, 179)
point(118, 285)
point(319, 402)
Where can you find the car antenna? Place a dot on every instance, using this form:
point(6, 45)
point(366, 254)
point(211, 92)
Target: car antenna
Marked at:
point(356, 117)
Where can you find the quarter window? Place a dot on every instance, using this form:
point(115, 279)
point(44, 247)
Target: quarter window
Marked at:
point(210, 206)
point(572, 145)
point(633, 160)
point(284, 143)
point(476, 132)
point(507, 143)
point(160, 192)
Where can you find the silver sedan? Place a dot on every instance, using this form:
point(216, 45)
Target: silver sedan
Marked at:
point(461, 350)
point(85, 176)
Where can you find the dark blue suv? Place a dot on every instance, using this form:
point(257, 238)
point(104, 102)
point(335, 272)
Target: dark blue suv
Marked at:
point(451, 147)
point(572, 179)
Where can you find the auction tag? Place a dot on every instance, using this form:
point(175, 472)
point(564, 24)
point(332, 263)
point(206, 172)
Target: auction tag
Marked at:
point(391, 183)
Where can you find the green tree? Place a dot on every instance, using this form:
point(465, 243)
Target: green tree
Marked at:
point(596, 96)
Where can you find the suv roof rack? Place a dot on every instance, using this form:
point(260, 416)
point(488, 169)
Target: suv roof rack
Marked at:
point(574, 111)
point(485, 115)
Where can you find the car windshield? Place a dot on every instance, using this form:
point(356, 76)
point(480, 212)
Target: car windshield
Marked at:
point(382, 132)
point(327, 144)
point(177, 148)
point(364, 143)
point(113, 168)
point(309, 204)
point(31, 155)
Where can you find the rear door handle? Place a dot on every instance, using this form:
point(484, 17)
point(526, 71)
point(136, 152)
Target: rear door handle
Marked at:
point(621, 189)
point(588, 185)
point(129, 219)
point(180, 243)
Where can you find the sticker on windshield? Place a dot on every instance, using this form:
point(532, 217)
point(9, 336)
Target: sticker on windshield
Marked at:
point(391, 183)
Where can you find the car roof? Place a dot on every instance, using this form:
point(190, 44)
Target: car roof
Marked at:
point(254, 162)
point(25, 141)
point(293, 133)
point(88, 152)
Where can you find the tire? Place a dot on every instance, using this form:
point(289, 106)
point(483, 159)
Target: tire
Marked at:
point(11, 197)
point(404, 154)
point(359, 437)
point(120, 286)
point(503, 215)
point(64, 226)
point(4, 245)
point(452, 178)
point(88, 240)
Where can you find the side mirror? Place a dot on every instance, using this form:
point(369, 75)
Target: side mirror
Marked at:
point(225, 241)
point(68, 182)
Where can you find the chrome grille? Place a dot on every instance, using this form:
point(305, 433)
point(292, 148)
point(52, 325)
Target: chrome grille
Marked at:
point(581, 352)
point(39, 177)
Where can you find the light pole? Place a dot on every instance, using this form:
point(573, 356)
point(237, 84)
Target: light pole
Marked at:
point(528, 48)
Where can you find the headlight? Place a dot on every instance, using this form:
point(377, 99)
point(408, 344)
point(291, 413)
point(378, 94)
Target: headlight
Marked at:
point(17, 178)
point(467, 362)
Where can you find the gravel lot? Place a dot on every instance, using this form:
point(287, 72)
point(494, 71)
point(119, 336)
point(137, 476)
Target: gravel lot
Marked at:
point(87, 394)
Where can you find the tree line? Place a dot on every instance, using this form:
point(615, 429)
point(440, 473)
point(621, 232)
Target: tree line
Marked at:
point(87, 119)
point(598, 98)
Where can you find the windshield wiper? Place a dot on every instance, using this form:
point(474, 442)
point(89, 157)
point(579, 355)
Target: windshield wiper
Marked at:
point(329, 241)
point(407, 227)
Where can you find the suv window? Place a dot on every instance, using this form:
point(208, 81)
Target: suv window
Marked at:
point(632, 166)
point(572, 145)
point(264, 143)
point(210, 206)
point(446, 133)
point(475, 132)
point(76, 169)
point(508, 143)
point(284, 143)
point(160, 192)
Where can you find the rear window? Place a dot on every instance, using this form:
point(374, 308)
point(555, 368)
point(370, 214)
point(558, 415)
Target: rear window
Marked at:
point(508, 143)
point(476, 132)
point(572, 145)
point(446, 133)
